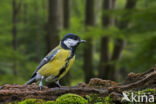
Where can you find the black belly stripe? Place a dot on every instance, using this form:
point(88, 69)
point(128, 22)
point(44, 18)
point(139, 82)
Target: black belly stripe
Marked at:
point(66, 65)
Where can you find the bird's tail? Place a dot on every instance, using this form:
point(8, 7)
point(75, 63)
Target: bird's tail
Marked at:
point(31, 81)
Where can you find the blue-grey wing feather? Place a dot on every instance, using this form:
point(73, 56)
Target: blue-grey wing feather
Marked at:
point(46, 59)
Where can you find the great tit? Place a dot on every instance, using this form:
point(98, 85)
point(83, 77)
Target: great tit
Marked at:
point(58, 61)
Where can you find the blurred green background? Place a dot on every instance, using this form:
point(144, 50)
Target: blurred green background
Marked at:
point(120, 36)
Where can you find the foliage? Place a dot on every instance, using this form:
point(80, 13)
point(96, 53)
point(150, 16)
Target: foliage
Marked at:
point(138, 55)
point(148, 90)
point(31, 101)
point(71, 99)
point(90, 99)
point(50, 102)
point(94, 99)
point(34, 101)
point(64, 99)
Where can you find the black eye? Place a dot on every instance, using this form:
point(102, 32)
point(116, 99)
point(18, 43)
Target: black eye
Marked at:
point(75, 37)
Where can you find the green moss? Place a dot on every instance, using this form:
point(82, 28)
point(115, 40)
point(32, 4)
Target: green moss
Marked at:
point(145, 91)
point(99, 103)
point(76, 99)
point(50, 102)
point(71, 99)
point(95, 99)
point(148, 90)
point(108, 100)
point(64, 99)
point(31, 101)
point(34, 101)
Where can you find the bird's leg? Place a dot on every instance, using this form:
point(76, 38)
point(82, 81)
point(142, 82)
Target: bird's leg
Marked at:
point(57, 82)
point(41, 83)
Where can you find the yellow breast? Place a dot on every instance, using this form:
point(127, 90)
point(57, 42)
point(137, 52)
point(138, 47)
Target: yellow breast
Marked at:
point(53, 67)
point(71, 61)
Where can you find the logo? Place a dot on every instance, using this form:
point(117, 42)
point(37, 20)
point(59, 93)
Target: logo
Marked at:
point(133, 97)
point(125, 97)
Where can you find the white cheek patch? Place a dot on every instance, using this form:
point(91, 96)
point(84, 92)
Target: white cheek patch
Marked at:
point(70, 42)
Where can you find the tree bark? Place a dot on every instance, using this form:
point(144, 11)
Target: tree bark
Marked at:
point(54, 24)
point(119, 43)
point(124, 23)
point(11, 93)
point(104, 58)
point(96, 86)
point(14, 20)
point(113, 5)
point(88, 60)
point(88, 48)
point(37, 32)
point(66, 13)
point(66, 24)
point(15, 11)
point(105, 54)
point(25, 13)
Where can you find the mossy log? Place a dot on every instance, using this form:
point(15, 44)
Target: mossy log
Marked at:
point(9, 93)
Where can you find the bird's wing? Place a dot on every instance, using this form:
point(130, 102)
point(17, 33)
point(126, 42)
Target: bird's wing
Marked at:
point(46, 59)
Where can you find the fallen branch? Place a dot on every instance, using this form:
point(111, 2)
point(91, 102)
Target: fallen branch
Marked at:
point(20, 92)
point(9, 93)
point(139, 81)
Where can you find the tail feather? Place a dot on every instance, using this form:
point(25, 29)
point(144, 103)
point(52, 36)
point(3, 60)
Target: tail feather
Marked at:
point(31, 81)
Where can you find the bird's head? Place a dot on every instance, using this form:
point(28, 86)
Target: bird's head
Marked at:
point(71, 41)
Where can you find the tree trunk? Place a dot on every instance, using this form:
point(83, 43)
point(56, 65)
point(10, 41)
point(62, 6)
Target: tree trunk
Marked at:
point(113, 5)
point(118, 48)
point(104, 58)
point(54, 24)
point(88, 49)
point(14, 28)
point(25, 13)
point(111, 73)
point(105, 54)
point(88, 60)
point(124, 23)
point(120, 43)
point(66, 24)
point(66, 13)
point(37, 32)
point(14, 33)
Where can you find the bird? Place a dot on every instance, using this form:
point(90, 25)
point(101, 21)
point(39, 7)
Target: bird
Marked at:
point(57, 62)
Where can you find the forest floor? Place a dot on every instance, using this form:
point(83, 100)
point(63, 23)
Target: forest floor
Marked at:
point(102, 88)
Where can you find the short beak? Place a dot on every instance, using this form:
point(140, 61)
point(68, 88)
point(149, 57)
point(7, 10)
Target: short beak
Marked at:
point(82, 41)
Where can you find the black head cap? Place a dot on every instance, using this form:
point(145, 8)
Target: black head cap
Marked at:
point(71, 36)
point(71, 44)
